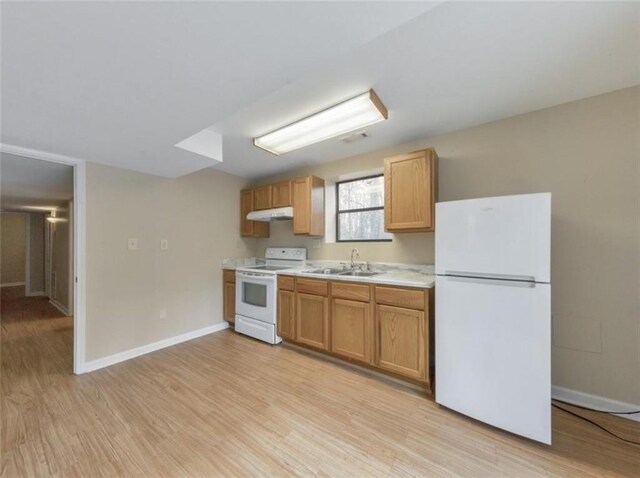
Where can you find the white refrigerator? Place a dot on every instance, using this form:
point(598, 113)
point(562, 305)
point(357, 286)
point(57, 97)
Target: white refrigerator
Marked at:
point(493, 311)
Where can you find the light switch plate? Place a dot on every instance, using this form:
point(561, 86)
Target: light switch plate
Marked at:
point(132, 244)
point(164, 244)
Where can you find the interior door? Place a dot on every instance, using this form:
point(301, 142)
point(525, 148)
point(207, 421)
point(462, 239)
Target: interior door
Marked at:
point(493, 352)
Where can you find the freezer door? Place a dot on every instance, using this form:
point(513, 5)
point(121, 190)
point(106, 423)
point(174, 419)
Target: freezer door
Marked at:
point(493, 353)
point(505, 236)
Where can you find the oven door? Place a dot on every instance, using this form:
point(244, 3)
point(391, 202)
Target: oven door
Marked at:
point(256, 296)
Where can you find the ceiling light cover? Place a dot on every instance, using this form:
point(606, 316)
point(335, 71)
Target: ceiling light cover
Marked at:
point(358, 112)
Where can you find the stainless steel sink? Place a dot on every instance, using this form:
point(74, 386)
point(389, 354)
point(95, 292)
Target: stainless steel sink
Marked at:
point(328, 271)
point(358, 273)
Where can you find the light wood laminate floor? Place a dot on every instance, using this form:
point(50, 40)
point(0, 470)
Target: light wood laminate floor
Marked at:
point(226, 405)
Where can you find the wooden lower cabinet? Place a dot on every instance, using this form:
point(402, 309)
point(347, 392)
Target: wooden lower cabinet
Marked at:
point(286, 314)
point(402, 341)
point(229, 302)
point(351, 329)
point(312, 320)
point(383, 327)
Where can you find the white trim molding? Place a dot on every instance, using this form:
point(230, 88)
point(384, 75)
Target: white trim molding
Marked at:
point(59, 306)
point(11, 284)
point(38, 293)
point(594, 401)
point(152, 347)
point(27, 254)
point(38, 154)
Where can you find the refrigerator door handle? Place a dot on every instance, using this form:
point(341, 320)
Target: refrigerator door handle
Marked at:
point(482, 275)
point(486, 281)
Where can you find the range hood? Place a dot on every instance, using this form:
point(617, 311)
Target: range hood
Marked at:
point(276, 214)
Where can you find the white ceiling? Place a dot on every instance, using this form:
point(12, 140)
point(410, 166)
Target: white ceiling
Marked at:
point(33, 185)
point(121, 84)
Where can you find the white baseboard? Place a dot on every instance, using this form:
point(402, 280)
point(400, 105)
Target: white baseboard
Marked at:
point(152, 347)
point(11, 284)
point(59, 306)
point(38, 293)
point(594, 401)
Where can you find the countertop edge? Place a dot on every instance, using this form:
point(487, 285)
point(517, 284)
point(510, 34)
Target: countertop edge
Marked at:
point(427, 283)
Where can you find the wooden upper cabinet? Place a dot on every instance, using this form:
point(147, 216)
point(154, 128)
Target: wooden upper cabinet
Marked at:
point(250, 228)
point(410, 182)
point(308, 206)
point(262, 198)
point(281, 194)
point(246, 206)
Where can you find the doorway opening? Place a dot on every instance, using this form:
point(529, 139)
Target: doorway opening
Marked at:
point(39, 257)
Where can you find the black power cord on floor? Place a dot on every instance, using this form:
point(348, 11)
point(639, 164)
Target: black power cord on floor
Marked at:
point(596, 410)
point(626, 440)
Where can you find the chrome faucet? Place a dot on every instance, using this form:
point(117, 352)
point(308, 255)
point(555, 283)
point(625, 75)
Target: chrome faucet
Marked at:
point(357, 254)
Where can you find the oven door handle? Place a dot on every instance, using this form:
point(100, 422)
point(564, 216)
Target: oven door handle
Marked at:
point(254, 277)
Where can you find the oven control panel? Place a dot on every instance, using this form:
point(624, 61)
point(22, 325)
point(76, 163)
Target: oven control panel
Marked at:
point(287, 253)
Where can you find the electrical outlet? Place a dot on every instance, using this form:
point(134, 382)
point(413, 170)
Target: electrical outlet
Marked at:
point(163, 313)
point(132, 244)
point(316, 243)
point(164, 244)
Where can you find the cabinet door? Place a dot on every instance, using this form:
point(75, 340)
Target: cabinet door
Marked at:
point(262, 197)
point(246, 206)
point(301, 205)
point(312, 320)
point(401, 336)
point(250, 228)
point(286, 322)
point(229, 302)
point(351, 329)
point(308, 206)
point(409, 191)
point(281, 194)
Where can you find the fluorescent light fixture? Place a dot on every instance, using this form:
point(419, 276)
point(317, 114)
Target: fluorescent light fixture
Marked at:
point(359, 111)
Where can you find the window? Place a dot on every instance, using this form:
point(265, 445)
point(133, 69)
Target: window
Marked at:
point(360, 210)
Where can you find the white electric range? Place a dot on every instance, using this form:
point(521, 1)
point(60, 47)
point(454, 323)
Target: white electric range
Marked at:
point(257, 292)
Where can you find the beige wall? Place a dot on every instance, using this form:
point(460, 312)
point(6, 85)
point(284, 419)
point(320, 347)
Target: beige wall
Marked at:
point(138, 297)
point(61, 253)
point(36, 253)
point(587, 154)
point(13, 247)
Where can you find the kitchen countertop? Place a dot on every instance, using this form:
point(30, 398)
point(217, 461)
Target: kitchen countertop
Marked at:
point(406, 278)
point(406, 275)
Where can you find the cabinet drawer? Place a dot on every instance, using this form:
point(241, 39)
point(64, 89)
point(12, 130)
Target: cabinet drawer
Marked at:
point(285, 283)
point(344, 290)
point(312, 286)
point(229, 276)
point(410, 298)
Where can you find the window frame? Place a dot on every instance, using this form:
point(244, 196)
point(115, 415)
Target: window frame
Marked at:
point(363, 209)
